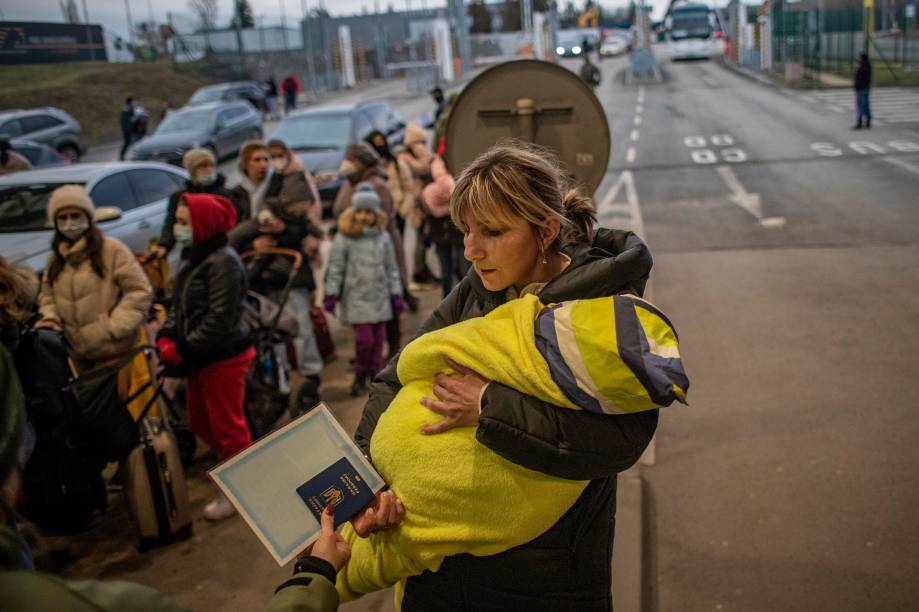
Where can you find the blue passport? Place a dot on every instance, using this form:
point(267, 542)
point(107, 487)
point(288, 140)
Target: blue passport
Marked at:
point(341, 485)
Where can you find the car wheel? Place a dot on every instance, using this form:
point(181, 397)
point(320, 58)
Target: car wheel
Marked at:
point(70, 152)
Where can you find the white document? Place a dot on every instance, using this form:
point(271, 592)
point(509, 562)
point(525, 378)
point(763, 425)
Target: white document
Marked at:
point(261, 481)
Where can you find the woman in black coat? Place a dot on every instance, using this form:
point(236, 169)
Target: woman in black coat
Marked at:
point(525, 234)
point(206, 333)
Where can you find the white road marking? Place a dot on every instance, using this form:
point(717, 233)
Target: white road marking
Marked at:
point(609, 208)
point(634, 135)
point(704, 156)
point(809, 99)
point(630, 155)
point(637, 120)
point(902, 163)
point(750, 202)
point(836, 109)
point(694, 141)
point(722, 140)
point(826, 149)
point(639, 109)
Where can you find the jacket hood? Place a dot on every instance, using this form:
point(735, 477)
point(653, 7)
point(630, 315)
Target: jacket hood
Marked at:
point(351, 228)
point(210, 215)
point(615, 261)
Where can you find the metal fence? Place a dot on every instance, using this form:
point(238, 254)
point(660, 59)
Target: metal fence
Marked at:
point(808, 43)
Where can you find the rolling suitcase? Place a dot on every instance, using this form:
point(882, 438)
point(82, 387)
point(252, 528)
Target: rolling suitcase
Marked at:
point(154, 485)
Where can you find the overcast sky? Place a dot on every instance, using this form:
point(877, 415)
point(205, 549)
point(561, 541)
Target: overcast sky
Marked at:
point(112, 13)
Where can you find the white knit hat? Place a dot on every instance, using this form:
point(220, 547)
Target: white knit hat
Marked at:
point(70, 196)
point(365, 198)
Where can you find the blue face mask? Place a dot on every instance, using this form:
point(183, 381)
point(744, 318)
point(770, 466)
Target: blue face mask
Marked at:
point(183, 234)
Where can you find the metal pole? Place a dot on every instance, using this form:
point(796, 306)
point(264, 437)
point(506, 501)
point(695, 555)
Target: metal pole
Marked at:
point(237, 23)
point(127, 10)
point(89, 34)
point(283, 24)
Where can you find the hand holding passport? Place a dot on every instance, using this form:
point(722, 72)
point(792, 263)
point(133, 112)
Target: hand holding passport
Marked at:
point(281, 484)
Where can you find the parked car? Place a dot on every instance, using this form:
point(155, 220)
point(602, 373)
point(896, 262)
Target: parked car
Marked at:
point(320, 136)
point(130, 199)
point(39, 155)
point(50, 126)
point(615, 42)
point(250, 91)
point(219, 126)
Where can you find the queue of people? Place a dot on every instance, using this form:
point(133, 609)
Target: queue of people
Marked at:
point(506, 228)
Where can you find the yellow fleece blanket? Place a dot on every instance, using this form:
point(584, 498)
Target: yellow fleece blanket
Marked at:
point(459, 496)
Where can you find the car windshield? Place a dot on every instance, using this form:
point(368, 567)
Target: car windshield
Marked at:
point(315, 132)
point(22, 207)
point(206, 95)
point(185, 121)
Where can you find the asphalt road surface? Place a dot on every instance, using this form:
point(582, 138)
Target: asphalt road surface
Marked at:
point(786, 253)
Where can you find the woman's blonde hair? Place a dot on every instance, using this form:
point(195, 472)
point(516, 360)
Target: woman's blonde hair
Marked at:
point(18, 290)
point(246, 151)
point(515, 179)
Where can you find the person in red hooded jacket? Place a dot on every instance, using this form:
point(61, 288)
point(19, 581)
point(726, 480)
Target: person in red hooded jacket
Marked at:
point(205, 333)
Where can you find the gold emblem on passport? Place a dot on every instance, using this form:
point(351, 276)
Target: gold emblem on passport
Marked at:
point(333, 495)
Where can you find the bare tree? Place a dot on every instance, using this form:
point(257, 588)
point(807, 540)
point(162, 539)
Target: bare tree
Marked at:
point(206, 11)
point(70, 11)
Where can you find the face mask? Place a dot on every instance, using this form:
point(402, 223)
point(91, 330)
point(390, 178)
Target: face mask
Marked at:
point(206, 179)
point(278, 164)
point(347, 168)
point(73, 230)
point(183, 234)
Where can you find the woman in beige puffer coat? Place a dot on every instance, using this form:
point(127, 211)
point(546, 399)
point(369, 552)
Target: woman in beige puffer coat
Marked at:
point(92, 288)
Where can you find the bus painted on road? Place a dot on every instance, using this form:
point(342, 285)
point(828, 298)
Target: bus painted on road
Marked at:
point(692, 32)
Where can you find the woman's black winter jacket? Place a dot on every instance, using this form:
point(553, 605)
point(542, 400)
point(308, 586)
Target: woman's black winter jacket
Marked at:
point(568, 567)
point(206, 318)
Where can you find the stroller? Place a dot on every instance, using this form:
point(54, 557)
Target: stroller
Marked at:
point(268, 387)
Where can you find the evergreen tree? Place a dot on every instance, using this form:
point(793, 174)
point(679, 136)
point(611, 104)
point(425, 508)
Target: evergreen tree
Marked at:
point(244, 13)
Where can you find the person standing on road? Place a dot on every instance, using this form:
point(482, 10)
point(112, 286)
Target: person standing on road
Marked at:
point(863, 92)
point(363, 276)
point(437, 94)
point(126, 119)
point(92, 288)
point(290, 87)
point(22, 589)
point(202, 167)
point(271, 97)
point(362, 164)
point(417, 157)
point(10, 160)
point(590, 74)
point(205, 333)
point(255, 175)
point(288, 219)
point(525, 233)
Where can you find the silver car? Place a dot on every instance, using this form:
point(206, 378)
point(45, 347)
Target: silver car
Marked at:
point(50, 126)
point(130, 198)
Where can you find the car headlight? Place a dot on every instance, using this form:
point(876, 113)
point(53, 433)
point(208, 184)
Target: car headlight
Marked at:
point(560, 50)
point(575, 49)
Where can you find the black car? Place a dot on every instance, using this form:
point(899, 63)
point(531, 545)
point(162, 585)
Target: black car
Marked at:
point(219, 126)
point(250, 91)
point(320, 136)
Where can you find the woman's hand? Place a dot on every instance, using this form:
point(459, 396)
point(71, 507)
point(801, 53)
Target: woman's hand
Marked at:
point(457, 399)
point(385, 512)
point(330, 546)
point(48, 324)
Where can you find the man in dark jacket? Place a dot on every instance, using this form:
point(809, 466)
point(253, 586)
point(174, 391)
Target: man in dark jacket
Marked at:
point(862, 92)
point(202, 166)
point(563, 443)
point(126, 118)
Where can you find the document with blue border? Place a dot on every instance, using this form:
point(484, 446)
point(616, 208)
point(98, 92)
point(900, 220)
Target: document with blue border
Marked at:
point(281, 483)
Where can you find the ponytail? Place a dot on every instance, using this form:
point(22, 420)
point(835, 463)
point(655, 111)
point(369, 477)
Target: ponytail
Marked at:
point(581, 217)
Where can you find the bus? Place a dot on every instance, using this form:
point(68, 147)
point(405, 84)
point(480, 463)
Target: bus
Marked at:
point(693, 32)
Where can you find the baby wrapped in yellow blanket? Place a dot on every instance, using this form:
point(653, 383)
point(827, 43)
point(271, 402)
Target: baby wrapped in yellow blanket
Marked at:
point(612, 355)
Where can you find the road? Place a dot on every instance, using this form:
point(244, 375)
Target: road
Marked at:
point(785, 252)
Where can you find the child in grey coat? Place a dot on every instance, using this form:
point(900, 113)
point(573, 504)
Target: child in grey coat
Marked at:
point(363, 275)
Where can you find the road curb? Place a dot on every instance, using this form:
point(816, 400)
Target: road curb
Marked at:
point(628, 545)
point(748, 74)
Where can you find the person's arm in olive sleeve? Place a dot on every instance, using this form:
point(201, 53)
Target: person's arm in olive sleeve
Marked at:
point(312, 590)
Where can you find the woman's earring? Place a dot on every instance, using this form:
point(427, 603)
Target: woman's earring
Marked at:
point(541, 250)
